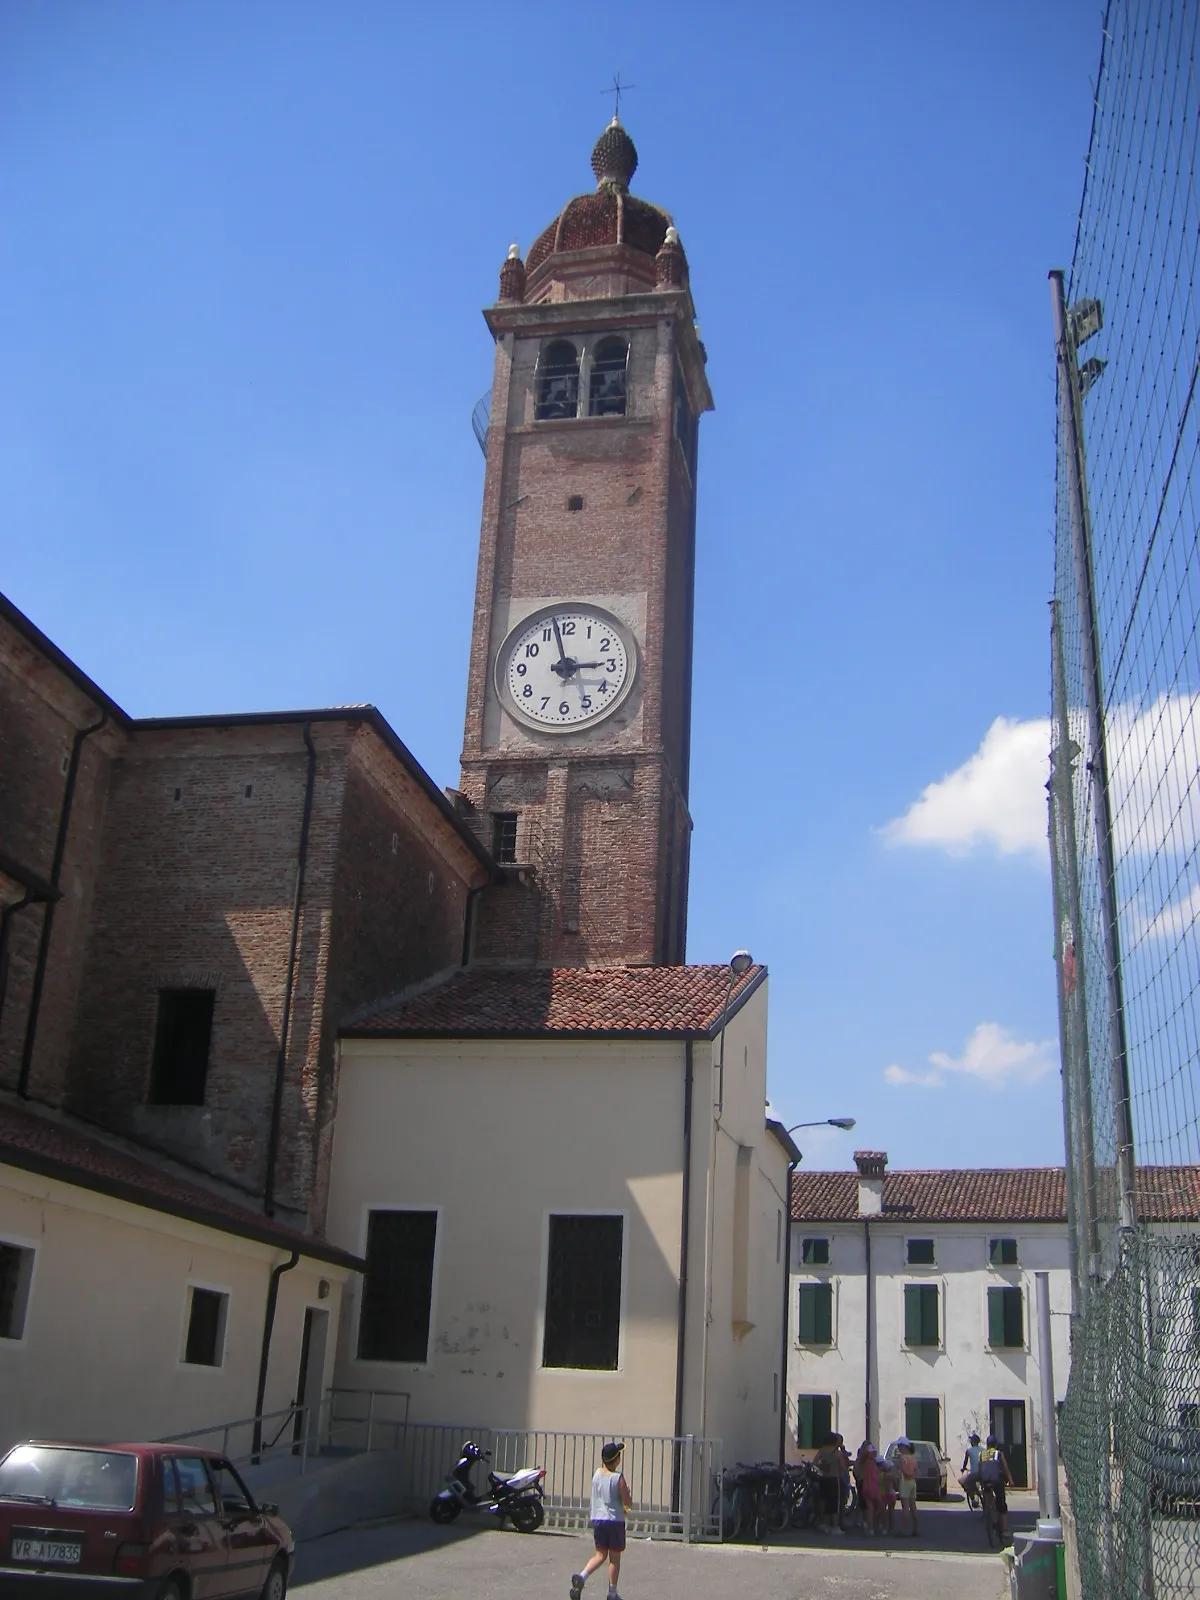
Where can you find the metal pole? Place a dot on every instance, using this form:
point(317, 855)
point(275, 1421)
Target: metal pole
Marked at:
point(1069, 403)
point(689, 1448)
point(1049, 1510)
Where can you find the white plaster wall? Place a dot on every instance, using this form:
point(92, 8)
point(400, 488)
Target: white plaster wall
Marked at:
point(100, 1353)
point(963, 1373)
point(495, 1136)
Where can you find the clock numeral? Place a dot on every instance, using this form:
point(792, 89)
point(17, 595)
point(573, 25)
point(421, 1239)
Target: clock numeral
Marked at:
point(612, 664)
point(531, 649)
point(545, 701)
point(605, 644)
point(603, 686)
point(586, 702)
point(568, 628)
point(527, 692)
point(547, 635)
point(522, 669)
point(589, 632)
point(564, 708)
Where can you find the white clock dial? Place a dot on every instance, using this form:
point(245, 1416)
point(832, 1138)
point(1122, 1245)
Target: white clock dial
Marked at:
point(565, 667)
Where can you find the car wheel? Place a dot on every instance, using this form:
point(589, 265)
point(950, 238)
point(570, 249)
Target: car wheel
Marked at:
point(276, 1585)
point(170, 1590)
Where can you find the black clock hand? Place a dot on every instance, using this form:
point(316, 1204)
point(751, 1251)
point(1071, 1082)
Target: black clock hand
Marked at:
point(566, 666)
point(562, 654)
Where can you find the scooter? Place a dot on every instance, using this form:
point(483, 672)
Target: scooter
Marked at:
point(515, 1497)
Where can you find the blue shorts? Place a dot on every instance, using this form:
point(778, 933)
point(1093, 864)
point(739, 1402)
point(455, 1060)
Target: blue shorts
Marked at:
point(610, 1535)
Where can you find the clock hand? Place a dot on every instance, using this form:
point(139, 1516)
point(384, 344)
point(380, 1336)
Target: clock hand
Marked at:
point(562, 654)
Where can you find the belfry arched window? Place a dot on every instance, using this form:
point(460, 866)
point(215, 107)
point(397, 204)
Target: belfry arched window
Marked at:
point(558, 381)
point(606, 378)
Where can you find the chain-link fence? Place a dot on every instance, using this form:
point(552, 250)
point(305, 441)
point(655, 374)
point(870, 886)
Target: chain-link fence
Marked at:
point(1125, 807)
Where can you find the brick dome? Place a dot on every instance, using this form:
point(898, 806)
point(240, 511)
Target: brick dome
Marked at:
point(610, 215)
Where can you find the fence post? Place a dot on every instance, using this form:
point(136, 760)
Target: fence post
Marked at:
point(370, 1417)
point(689, 1445)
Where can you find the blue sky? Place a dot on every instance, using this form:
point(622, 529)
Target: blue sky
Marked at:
point(243, 254)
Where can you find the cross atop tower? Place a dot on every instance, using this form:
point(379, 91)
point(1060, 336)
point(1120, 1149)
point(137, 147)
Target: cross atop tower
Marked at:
point(617, 90)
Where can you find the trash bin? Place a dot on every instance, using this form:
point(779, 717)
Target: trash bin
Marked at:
point(1037, 1568)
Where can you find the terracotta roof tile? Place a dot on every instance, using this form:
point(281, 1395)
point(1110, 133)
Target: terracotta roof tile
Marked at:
point(489, 1002)
point(985, 1194)
point(42, 1144)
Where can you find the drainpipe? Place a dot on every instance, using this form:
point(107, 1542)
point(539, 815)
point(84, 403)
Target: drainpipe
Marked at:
point(6, 917)
point(787, 1305)
point(277, 1272)
point(684, 1232)
point(43, 955)
point(281, 1061)
point(469, 923)
point(870, 1330)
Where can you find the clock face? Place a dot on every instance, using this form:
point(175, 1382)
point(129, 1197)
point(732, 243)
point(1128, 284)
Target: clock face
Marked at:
point(565, 667)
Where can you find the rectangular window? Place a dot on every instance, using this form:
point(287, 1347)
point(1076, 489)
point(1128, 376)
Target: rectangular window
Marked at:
point(816, 1313)
point(181, 1040)
point(1002, 1252)
point(397, 1291)
point(1006, 1319)
point(923, 1420)
point(814, 1252)
point(16, 1272)
point(583, 1293)
point(814, 1420)
point(205, 1344)
point(195, 1491)
point(504, 835)
point(921, 1314)
point(920, 1252)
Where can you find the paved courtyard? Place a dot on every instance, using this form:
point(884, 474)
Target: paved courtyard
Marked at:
point(419, 1561)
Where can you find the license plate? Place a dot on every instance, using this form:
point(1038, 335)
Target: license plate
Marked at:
point(50, 1552)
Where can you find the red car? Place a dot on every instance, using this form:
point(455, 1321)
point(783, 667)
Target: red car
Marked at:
point(152, 1521)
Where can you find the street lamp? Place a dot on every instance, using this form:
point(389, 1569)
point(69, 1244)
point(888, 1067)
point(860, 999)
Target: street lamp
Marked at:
point(845, 1123)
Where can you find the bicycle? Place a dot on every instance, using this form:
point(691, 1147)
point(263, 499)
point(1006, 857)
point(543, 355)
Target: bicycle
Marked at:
point(991, 1516)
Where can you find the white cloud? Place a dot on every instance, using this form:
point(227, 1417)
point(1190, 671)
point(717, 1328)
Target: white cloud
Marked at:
point(997, 797)
point(992, 1056)
point(1174, 920)
point(1154, 766)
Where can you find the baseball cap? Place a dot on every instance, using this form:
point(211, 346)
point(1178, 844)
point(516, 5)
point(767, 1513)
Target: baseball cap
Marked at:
point(611, 1451)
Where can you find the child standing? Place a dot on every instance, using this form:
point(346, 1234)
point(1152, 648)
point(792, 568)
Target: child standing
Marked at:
point(611, 1503)
point(867, 1475)
point(906, 1461)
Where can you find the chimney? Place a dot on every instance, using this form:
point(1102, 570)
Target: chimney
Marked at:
point(870, 1164)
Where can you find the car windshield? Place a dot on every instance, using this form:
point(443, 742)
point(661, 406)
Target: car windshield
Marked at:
point(58, 1475)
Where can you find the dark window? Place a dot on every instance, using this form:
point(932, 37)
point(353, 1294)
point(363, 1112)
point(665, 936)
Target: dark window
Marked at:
point(504, 835)
point(923, 1420)
point(16, 1269)
point(920, 1252)
point(583, 1292)
point(606, 385)
point(815, 1325)
point(574, 502)
point(235, 1497)
point(815, 1252)
point(814, 1420)
point(181, 1041)
point(1006, 1319)
point(397, 1293)
point(1002, 1252)
point(196, 1496)
point(206, 1328)
point(921, 1314)
point(558, 381)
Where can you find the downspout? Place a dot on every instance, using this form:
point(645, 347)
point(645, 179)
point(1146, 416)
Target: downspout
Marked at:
point(684, 1239)
point(787, 1306)
point(6, 917)
point(43, 955)
point(281, 1062)
point(277, 1272)
point(870, 1325)
point(469, 923)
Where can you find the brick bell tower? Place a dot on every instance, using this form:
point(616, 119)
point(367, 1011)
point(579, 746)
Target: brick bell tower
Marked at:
point(576, 748)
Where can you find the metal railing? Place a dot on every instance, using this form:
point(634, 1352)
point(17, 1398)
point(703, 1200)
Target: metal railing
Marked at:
point(313, 1428)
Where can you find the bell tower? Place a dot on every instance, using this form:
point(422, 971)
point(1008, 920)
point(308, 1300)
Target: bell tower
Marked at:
point(576, 748)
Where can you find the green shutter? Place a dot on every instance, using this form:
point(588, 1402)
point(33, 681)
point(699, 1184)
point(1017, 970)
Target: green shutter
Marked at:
point(912, 1315)
point(814, 1420)
point(804, 1421)
point(1014, 1318)
point(816, 1313)
point(1003, 1252)
point(995, 1318)
point(923, 1420)
point(920, 1313)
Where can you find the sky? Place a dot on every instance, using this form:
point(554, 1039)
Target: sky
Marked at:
point(244, 248)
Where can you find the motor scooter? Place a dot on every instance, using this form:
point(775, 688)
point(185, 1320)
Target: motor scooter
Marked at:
point(515, 1497)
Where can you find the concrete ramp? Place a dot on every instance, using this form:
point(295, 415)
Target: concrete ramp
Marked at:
point(336, 1488)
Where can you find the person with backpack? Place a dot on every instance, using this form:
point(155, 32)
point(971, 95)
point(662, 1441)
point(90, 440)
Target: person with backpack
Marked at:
point(994, 1475)
point(970, 1469)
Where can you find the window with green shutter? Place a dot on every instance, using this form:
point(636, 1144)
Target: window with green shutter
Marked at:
point(1006, 1319)
point(814, 1420)
point(921, 1314)
point(1002, 1252)
point(923, 1420)
point(815, 1252)
point(920, 1252)
point(816, 1313)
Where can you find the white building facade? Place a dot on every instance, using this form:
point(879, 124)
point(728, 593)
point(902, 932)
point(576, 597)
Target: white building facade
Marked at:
point(912, 1306)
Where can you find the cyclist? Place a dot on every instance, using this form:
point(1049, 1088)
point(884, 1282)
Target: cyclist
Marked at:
point(970, 1467)
point(994, 1475)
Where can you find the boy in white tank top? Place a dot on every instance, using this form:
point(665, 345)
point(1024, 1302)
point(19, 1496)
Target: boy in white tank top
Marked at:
point(611, 1503)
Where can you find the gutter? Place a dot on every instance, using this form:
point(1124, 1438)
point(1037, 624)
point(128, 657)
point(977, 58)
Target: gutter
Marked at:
point(281, 1059)
point(43, 955)
point(37, 889)
point(277, 1272)
point(787, 1306)
point(684, 1240)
